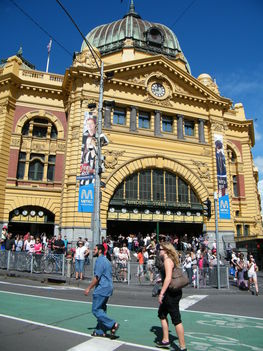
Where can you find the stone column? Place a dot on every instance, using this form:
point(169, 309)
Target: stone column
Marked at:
point(107, 115)
point(201, 131)
point(180, 126)
point(157, 123)
point(133, 119)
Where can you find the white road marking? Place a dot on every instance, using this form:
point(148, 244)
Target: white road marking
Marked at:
point(190, 301)
point(97, 344)
point(42, 287)
point(116, 342)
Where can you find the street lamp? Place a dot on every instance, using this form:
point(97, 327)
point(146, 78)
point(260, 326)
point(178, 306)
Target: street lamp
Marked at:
point(96, 212)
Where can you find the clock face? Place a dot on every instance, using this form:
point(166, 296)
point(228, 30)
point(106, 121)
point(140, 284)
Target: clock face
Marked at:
point(158, 89)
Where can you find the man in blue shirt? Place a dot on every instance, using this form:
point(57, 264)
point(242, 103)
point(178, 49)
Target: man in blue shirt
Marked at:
point(102, 282)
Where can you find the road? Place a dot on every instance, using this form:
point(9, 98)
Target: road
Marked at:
point(39, 316)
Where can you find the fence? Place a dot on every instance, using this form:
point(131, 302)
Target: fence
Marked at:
point(132, 273)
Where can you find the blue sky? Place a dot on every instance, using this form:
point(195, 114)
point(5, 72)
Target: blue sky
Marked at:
point(223, 38)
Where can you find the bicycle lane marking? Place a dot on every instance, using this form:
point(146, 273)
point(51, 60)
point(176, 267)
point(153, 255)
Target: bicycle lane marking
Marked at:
point(204, 331)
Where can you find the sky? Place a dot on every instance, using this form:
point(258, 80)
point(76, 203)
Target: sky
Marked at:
point(223, 38)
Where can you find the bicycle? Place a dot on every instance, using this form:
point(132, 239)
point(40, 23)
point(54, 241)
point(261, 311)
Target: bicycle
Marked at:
point(52, 262)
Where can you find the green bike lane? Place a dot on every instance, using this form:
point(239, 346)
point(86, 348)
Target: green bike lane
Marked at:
point(204, 331)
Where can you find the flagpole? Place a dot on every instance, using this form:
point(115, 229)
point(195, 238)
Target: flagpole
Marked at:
point(48, 56)
point(47, 62)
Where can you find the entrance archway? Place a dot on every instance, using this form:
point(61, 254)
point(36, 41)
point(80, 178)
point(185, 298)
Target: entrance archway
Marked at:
point(33, 219)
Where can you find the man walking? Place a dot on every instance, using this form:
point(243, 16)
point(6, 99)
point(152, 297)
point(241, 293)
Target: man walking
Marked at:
point(102, 282)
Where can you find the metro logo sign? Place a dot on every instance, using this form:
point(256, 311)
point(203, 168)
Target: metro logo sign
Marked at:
point(86, 198)
point(224, 207)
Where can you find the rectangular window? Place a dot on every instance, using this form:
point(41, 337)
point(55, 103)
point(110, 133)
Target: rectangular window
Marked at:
point(119, 116)
point(182, 191)
point(246, 230)
point(235, 186)
point(144, 120)
point(131, 186)
point(167, 124)
point(39, 132)
point(189, 128)
point(238, 227)
point(51, 168)
point(170, 187)
point(145, 185)
point(21, 165)
point(158, 186)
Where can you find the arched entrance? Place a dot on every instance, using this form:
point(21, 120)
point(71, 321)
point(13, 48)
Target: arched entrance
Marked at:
point(33, 219)
point(155, 200)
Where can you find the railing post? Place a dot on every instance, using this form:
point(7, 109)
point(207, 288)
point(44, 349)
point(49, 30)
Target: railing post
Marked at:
point(63, 265)
point(8, 260)
point(31, 263)
point(227, 277)
point(129, 272)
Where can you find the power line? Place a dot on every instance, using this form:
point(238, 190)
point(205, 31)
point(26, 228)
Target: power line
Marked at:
point(83, 37)
point(183, 13)
point(40, 27)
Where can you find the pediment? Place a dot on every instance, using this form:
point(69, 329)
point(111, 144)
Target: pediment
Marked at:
point(176, 82)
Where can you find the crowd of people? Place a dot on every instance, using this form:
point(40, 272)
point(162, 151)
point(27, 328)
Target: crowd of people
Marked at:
point(244, 271)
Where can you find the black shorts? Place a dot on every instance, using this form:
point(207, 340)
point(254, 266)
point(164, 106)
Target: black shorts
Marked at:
point(170, 305)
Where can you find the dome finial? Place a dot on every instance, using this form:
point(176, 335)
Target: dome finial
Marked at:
point(132, 11)
point(20, 51)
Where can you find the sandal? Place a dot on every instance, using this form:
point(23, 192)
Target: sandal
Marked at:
point(114, 328)
point(98, 335)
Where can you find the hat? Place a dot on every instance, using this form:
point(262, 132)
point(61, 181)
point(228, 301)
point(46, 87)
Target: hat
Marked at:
point(5, 226)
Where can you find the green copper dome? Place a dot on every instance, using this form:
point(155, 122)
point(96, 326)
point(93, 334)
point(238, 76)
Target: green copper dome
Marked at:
point(153, 38)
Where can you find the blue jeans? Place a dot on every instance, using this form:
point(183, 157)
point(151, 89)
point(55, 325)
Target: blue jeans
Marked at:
point(79, 264)
point(99, 308)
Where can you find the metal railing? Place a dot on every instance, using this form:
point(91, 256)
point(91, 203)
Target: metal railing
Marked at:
point(130, 273)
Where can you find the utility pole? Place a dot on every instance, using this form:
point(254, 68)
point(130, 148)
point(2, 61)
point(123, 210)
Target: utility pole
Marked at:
point(217, 242)
point(96, 213)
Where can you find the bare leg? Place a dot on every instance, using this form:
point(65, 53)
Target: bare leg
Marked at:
point(179, 328)
point(165, 326)
point(256, 284)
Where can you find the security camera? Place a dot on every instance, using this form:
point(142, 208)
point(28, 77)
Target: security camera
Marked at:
point(104, 141)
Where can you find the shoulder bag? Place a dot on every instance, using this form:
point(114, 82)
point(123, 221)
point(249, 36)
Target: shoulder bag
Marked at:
point(179, 279)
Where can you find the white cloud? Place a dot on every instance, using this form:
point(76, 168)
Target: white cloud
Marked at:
point(258, 135)
point(260, 189)
point(259, 164)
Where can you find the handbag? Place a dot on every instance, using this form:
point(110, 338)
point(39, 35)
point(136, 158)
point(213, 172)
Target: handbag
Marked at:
point(179, 279)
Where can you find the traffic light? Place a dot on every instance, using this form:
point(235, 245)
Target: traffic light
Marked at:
point(102, 164)
point(207, 208)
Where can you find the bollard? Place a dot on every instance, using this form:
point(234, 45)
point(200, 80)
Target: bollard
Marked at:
point(68, 262)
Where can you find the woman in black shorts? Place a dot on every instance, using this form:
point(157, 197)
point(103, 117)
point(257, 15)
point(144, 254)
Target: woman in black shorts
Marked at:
point(169, 300)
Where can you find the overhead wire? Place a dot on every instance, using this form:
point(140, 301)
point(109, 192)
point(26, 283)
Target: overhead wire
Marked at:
point(183, 13)
point(40, 27)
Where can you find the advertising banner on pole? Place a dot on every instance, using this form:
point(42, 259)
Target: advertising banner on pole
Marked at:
point(222, 186)
point(86, 198)
point(87, 164)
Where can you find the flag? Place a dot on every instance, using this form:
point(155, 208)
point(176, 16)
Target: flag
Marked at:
point(49, 46)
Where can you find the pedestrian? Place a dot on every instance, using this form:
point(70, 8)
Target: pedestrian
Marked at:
point(169, 300)
point(252, 274)
point(103, 288)
point(79, 258)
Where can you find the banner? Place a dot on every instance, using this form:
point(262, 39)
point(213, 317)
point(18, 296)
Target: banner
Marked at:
point(86, 198)
point(88, 150)
point(224, 207)
point(87, 163)
point(222, 186)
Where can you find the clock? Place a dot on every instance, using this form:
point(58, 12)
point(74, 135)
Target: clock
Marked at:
point(158, 89)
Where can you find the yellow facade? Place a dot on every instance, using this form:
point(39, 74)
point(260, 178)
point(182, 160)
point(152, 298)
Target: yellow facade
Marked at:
point(63, 100)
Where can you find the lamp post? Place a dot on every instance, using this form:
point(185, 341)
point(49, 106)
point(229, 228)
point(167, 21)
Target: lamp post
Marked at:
point(217, 242)
point(96, 211)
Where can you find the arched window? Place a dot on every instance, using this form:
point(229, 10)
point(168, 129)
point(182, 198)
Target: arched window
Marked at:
point(31, 164)
point(155, 187)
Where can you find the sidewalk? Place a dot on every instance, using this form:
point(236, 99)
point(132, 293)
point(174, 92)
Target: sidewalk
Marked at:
point(62, 280)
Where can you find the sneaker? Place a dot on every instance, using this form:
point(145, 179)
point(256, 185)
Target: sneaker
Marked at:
point(164, 345)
